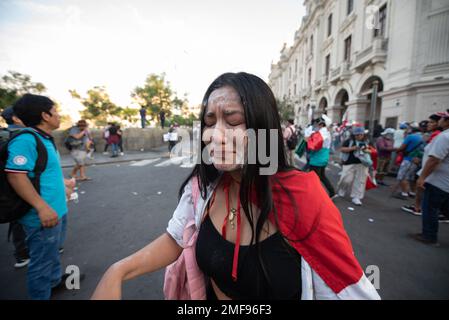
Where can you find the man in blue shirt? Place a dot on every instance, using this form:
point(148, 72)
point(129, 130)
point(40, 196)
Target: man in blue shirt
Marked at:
point(412, 148)
point(43, 223)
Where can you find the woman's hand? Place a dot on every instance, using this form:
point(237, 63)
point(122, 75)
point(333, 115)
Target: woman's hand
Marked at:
point(110, 286)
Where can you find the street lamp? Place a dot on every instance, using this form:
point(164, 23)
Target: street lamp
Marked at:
point(373, 110)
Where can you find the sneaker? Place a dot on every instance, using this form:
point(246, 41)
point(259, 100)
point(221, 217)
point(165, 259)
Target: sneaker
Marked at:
point(412, 195)
point(335, 196)
point(20, 263)
point(381, 183)
point(105, 153)
point(341, 194)
point(411, 209)
point(419, 237)
point(356, 201)
point(61, 250)
point(122, 154)
point(400, 196)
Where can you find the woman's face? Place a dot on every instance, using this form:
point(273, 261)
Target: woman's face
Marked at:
point(432, 125)
point(225, 129)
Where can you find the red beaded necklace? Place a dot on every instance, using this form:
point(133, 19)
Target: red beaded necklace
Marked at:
point(232, 213)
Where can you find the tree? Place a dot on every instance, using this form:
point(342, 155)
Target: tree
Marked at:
point(286, 109)
point(155, 96)
point(98, 106)
point(15, 84)
point(129, 114)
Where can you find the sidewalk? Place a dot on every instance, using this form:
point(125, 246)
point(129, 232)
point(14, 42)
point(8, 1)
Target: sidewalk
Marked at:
point(99, 158)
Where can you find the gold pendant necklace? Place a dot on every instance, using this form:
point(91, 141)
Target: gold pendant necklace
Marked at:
point(232, 215)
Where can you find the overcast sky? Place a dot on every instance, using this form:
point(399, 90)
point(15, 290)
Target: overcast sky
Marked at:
point(68, 44)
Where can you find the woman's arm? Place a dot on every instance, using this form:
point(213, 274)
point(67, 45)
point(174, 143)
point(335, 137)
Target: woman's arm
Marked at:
point(158, 254)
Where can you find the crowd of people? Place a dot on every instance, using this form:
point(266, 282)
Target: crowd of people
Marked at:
point(416, 154)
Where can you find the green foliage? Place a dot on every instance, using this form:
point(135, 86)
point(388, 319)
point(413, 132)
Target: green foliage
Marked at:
point(129, 114)
point(155, 95)
point(286, 109)
point(98, 106)
point(15, 84)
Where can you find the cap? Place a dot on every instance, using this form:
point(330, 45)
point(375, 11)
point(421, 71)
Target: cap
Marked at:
point(358, 130)
point(388, 131)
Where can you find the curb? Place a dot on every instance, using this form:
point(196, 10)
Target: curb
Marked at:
point(114, 161)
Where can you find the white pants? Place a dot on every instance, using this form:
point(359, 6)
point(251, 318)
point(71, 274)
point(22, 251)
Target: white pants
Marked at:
point(353, 177)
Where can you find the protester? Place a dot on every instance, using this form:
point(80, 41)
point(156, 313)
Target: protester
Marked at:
point(384, 146)
point(276, 238)
point(354, 172)
point(120, 141)
point(105, 137)
point(290, 139)
point(318, 146)
point(143, 116)
point(434, 179)
point(172, 137)
point(412, 148)
point(79, 140)
point(434, 130)
point(42, 224)
point(114, 139)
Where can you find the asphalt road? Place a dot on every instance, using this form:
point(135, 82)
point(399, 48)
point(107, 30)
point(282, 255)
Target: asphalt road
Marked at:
point(128, 205)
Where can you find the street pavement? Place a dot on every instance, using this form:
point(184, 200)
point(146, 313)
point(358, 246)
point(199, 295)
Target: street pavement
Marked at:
point(130, 200)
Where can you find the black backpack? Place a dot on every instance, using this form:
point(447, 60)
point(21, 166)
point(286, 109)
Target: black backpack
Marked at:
point(12, 206)
point(293, 140)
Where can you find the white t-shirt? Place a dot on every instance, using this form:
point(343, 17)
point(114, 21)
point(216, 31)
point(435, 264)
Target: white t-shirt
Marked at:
point(439, 149)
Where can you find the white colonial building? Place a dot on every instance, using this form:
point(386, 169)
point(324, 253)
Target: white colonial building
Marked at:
point(344, 47)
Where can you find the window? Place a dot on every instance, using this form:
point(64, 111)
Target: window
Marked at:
point(348, 43)
point(310, 76)
point(381, 28)
point(350, 6)
point(328, 64)
point(294, 89)
point(329, 25)
point(311, 44)
point(296, 65)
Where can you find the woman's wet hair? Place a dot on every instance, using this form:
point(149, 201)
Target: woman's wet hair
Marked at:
point(261, 112)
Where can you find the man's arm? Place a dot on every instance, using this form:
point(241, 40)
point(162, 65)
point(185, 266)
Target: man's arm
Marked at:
point(431, 164)
point(25, 189)
point(79, 135)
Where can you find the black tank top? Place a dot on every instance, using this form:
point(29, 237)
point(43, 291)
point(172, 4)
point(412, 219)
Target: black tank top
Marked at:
point(214, 256)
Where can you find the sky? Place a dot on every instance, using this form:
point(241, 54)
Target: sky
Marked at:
point(68, 44)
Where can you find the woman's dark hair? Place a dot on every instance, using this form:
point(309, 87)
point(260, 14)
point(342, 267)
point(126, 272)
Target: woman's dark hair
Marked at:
point(261, 112)
point(435, 117)
point(29, 108)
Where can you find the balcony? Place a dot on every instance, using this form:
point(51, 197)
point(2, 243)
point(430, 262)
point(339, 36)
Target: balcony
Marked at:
point(306, 92)
point(376, 53)
point(321, 84)
point(342, 72)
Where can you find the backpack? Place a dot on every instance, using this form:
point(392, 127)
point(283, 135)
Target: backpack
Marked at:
point(183, 278)
point(12, 206)
point(5, 134)
point(70, 142)
point(293, 140)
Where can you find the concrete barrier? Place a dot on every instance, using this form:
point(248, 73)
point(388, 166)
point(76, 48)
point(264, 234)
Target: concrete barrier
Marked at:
point(134, 139)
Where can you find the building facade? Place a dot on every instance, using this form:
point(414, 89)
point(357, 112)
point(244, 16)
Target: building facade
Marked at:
point(386, 60)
